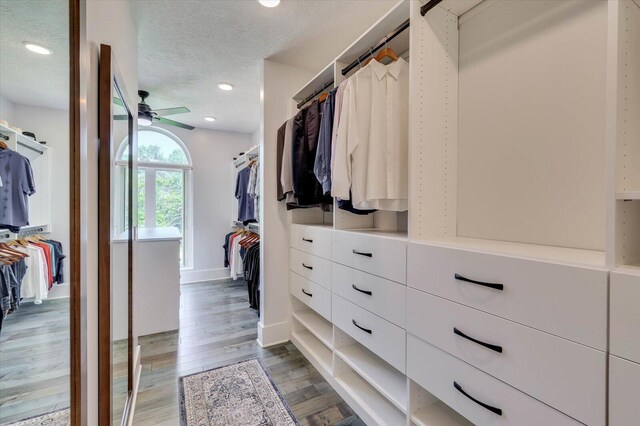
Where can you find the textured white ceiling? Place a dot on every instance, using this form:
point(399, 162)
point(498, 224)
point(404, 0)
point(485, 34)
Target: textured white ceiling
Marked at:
point(26, 77)
point(186, 47)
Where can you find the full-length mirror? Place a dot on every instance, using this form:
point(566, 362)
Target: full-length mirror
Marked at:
point(115, 247)
point(35, 278)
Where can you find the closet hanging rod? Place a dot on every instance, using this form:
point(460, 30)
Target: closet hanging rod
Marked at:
point(428, 6)
point(373, 50)
point(32, 148)
point(314, 94)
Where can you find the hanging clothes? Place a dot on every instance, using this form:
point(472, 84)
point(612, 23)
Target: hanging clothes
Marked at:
point(246, 206)
point(253, 188)
point(279, 160)
point(306, 188)
point(322, 166)
point(371, 152)
point(16, 185)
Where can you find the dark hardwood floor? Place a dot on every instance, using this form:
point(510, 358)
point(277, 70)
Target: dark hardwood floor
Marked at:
point(34, 360)
point(218, 328)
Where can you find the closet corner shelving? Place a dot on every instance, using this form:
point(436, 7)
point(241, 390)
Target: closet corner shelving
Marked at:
point(39, 156)
point(514, 165)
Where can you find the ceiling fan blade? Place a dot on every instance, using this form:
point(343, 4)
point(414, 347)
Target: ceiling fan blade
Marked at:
point(168, 122)
point(118, 101)
point(120, 117)
point(171, 111)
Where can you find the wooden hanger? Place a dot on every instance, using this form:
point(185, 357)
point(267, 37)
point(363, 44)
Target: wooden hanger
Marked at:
point(3, 145)
point(386, 52)
point(323, 97)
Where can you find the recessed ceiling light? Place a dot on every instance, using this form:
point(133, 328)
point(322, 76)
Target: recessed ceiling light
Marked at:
point(209, 118)
point(269, 3)
point(225, 86)
point(37, 48)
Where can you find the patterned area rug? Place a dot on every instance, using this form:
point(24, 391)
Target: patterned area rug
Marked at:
point(57, 418)
point(239, 394)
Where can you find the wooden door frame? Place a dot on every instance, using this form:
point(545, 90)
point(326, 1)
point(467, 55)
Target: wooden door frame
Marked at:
point(78, 306)
point(109, 76)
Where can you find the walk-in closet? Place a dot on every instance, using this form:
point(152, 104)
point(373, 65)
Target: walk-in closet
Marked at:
point(35, 286)
point(319, 212)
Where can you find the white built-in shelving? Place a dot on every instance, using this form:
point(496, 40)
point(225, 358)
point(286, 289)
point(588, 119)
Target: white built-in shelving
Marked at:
point(438, 414)
point(380, 375)
point(318, 326)
point(313, 349)
point(379, 408)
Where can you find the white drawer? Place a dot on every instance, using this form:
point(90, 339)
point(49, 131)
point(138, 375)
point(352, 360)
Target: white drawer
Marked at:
point(316, 297)
point(311, 267)
point(624, 397)
point(381, 337)
point(539, 294)
point(439, 372)
point(382, 256)
point(625, 314)
point(382, 297)
point(312, 239)
point(556, 371)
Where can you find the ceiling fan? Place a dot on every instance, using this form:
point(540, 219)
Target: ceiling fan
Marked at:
point(147, 115)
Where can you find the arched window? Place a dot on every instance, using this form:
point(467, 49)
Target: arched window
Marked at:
point(164, 184)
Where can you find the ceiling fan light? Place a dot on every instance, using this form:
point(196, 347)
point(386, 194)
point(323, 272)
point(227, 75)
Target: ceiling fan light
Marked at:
point(144, 119)
point(269, 3)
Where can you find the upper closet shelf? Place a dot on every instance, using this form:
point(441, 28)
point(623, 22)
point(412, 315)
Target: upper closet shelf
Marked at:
point(573, 256)
point(323, 80)
point(628, 195)
point(247, 156)
point(22, 140)
point(376, 34)
point(457, 7)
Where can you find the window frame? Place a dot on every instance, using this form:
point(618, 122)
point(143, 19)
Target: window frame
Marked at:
point(151, 168)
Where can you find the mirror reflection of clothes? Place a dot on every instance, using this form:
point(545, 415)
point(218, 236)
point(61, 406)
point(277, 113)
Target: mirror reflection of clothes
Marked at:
point(16, 185)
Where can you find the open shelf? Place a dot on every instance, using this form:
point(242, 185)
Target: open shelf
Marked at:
point(316, 83)
point(318, 326)
point(438, 414)
point(314, 350)
point(398, 235)
point(382, 376)
point(628, 195)
point(528, 251)
point(370, 400)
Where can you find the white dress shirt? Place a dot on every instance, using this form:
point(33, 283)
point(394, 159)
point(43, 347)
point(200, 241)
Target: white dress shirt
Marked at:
point(35, 281)
point(371, 155)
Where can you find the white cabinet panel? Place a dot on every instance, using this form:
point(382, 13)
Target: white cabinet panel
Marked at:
point(439, 373)
point(311, 267)
point(624, 396)
point(539, 294)
point(382, 256)
point(313, 295)
point(556, 371)
point(382, 297)
point(625, 314)
point(380, 336)
point(312, 239)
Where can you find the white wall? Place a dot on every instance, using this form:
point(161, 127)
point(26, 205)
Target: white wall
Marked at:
point(113, 23)
point(212, 152)
point(6, 109)
point(279, 84)
point(52, 125)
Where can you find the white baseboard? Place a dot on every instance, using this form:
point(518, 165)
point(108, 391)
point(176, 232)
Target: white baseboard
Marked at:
point(201, 275)
point(273, 334)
